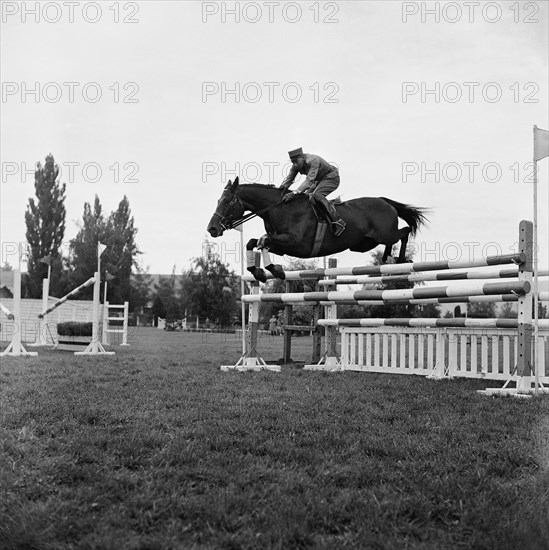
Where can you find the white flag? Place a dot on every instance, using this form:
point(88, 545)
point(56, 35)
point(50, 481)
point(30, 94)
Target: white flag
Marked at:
point(541, 144)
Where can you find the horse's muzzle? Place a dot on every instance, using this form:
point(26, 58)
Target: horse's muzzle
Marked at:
point(214, 229)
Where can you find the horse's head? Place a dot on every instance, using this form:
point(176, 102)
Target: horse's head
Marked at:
point(229, 208)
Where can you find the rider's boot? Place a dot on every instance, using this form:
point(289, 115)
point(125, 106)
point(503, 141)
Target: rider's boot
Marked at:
point(336, 223)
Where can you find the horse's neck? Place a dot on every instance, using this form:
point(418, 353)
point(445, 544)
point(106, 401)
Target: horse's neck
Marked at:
point(257, 198)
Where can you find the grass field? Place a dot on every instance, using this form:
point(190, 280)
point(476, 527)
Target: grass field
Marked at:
point(155, 448)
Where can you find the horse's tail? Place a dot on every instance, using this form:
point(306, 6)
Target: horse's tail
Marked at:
point(414, 216)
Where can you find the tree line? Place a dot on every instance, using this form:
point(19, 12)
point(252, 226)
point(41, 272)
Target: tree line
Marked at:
point(208, 289)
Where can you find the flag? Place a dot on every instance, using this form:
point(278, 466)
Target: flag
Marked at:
point(46, 259)
point(101, 248)
point(541, 143)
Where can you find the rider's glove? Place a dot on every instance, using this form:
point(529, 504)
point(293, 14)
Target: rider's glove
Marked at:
point(289, 196)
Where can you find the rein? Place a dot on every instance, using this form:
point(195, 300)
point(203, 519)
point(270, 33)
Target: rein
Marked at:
point(235, 223)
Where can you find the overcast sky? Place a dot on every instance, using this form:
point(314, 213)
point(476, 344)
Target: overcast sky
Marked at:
point(389, 91)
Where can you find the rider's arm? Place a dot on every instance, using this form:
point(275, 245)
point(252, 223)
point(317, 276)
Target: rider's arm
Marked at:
point(290, 177)
point(311, 174)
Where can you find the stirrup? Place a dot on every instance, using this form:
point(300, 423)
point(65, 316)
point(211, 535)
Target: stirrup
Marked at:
point(338, 227)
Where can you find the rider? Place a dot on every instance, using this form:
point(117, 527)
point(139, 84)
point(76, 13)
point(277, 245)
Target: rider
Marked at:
point(322, 178)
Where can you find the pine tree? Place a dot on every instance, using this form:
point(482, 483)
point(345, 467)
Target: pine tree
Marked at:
point(45, 221)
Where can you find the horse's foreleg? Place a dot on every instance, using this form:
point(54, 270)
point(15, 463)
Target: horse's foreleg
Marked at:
point(276, 269)
point(257, 272)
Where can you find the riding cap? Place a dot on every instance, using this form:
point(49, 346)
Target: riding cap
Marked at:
point(295, 153)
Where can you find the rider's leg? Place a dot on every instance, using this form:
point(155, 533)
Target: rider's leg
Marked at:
point(324, 188)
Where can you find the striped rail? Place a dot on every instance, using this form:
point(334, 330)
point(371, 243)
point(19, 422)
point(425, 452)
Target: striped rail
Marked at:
point(422, 293)
point(458, 322)
point(399, 269)
point(497, 273)
point(89, 282)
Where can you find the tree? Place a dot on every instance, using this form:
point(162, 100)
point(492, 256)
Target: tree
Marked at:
point(45, 221)
point(83, 258)
point(158, 310)
point(165, 303)
point(139, 290)
point(122, 251)
point(426, 310)
point(117, 232)
point(483, 310)
point(508, 311)
point(211, 290)
point(301, 313)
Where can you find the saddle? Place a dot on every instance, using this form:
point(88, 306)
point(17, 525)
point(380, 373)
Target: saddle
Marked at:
point(321, 216)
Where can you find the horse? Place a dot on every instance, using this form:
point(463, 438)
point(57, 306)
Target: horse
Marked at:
point(293, 227)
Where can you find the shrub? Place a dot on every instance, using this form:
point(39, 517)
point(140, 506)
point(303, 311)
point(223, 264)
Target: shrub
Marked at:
point(71, 328)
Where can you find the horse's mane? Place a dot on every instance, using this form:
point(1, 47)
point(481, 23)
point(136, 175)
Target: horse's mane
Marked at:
point(263, 185)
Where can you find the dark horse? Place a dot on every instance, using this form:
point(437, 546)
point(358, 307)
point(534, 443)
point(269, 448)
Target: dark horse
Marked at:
point(292, 226)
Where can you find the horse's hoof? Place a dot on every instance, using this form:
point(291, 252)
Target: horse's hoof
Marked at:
point(277, 271)
point(259, 275)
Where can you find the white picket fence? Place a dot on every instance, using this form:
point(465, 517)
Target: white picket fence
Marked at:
point(489, 353)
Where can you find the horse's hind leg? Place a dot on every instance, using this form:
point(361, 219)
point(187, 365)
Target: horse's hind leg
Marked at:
point(403, 235)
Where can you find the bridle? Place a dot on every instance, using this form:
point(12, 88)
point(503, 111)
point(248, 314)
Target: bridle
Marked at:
point(227, 223)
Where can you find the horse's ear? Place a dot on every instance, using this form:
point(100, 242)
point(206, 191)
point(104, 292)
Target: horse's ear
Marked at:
point(236, 182)
point(229, 183)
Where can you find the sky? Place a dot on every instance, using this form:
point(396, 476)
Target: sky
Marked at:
point(427, 103)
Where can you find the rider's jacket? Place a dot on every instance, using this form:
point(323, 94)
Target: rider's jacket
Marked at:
point(316, 169)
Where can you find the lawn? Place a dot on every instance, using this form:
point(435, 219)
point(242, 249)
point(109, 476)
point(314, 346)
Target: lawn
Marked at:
point(155, 448)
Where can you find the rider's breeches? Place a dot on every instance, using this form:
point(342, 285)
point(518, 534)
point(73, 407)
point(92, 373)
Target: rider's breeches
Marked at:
point(328, 184)
point(325, 187)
